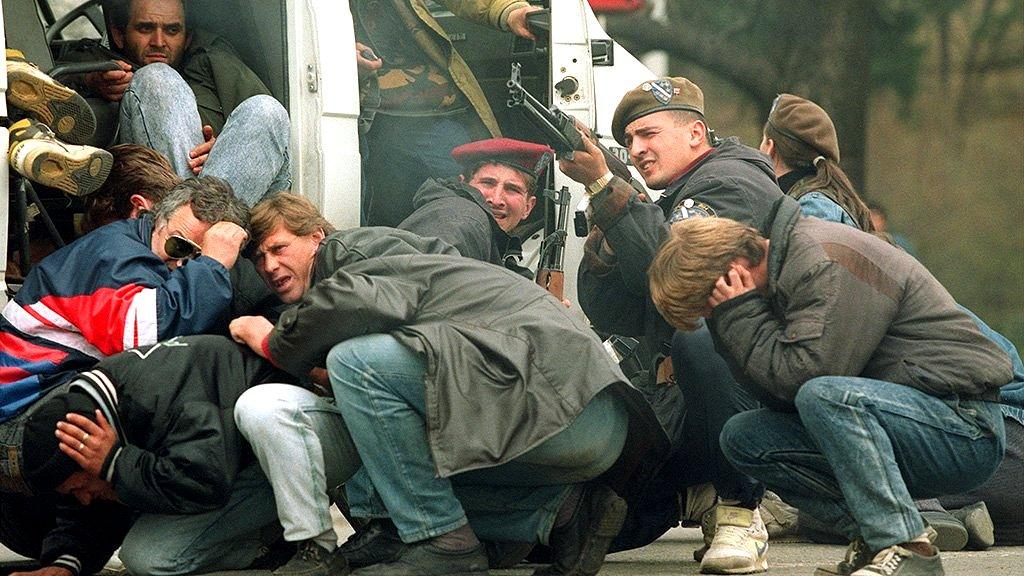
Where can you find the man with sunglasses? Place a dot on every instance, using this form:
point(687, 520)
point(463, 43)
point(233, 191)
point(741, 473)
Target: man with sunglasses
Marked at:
point(128, 284)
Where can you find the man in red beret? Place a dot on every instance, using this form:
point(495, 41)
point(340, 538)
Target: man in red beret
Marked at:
point(477, 212)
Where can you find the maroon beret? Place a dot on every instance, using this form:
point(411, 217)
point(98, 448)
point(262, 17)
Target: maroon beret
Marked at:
point(525, 156)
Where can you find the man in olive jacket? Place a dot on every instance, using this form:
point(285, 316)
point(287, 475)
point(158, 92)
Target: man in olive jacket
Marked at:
point(179, 88)
point(453, 372)
point(882, 388)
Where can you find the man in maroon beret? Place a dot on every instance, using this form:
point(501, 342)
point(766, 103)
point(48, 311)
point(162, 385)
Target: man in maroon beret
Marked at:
point(477, 212)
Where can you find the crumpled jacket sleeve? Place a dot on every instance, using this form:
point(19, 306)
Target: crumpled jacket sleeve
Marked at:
point(88, 535)
point(823, 331)
point(493, 13)
point(344, 305)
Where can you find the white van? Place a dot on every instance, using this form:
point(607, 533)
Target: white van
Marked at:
point(302, 50)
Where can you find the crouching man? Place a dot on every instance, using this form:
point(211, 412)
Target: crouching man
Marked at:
point(881, 389)
point(479, 406)
point(143, 449)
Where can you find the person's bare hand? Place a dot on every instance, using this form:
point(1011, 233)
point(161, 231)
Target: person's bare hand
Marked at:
point(366, 65)
point(251, 331)
point(736, 282)
point(198, 155)
point(46, 571)
point(586, 165)
point(111, 84)
point(86, 442)
point(517, 21)
point(223, 241)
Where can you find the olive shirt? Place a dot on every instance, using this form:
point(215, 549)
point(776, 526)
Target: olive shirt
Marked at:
point(218, 78)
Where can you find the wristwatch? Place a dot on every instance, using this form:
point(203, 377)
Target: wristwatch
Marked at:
point(599, 184)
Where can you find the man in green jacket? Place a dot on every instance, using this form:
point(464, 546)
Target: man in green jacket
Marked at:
point(881, 389)
point(490, 406)
point(180, 87)
point(419, 98)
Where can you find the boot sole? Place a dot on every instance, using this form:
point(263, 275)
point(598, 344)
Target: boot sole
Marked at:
point(611, 509)
point(75, 176)
point(951, 535)
point(980, 530)
point(59, 107)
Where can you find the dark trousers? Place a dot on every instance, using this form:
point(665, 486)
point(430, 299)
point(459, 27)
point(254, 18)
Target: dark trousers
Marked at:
point(710, 396)
point(402, 152)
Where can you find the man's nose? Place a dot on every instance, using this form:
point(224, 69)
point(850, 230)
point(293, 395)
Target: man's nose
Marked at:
point(158, 38)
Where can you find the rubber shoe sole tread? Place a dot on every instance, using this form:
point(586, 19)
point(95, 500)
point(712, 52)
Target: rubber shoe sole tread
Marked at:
point(52, 103)
point(76, 170)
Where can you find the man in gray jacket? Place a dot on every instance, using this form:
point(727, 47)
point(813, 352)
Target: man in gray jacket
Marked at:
point(881, 388)
point(472, 396)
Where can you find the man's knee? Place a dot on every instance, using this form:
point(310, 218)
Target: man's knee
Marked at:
point(149, 557)
point(816, 393)
point(259, 407)
point(265, 110)
point(738, 438)
point(161, 79)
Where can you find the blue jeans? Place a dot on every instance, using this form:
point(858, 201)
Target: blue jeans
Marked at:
point(228, 538)
point(858, 451)
point(380, 387)
point(292, 429)
point(402, 152)
point(251, 152)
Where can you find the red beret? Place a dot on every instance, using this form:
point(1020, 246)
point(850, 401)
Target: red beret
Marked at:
point(525, 156)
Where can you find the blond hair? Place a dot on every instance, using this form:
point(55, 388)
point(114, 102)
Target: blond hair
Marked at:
point(698, 252)
point(297, 214)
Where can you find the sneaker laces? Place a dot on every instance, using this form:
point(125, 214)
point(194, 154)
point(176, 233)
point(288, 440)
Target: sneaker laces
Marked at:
point(888, 560)
point(733, 536)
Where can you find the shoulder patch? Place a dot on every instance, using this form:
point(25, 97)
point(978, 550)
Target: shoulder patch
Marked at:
point(688, 208)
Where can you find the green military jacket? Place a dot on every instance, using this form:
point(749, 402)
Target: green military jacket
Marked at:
point(218, 78)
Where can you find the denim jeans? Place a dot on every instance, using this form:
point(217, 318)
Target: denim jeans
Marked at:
point(402, 152)
point(228, 538)
point(251, 152)
point(292, 429)
point(858, 451)
point(380, 387)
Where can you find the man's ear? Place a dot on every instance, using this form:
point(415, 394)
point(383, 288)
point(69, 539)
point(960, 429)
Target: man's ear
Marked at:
point(698, 133)
point(530, 203)
point(117, 36)
point(319, 235)
point(139, 204)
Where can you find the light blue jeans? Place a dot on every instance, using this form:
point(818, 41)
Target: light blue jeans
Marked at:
point(251, 153)
point(228, 538)
point(304, 449)
point(380, 388)
point(858, 451)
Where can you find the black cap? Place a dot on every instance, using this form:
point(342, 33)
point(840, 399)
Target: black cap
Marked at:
point(45, 466)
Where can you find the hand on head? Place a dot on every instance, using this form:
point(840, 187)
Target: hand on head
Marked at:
point(85, 441)
point(736, 282)
point(223, 241)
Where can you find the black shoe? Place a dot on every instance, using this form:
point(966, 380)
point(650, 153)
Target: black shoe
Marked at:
point(311, 559)
point(424, 559)
point(376, 542)
point(580, 545)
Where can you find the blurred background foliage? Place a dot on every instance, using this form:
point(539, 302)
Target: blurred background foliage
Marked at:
point(928, 101)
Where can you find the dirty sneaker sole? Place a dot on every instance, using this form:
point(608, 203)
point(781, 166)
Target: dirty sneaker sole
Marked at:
point(76, 173)
point(59, 107)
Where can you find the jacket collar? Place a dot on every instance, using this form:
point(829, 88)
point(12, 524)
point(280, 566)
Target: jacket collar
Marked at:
point(783, 217)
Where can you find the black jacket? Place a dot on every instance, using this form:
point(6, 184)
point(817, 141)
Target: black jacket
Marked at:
point(180, 449)
point(458, 214)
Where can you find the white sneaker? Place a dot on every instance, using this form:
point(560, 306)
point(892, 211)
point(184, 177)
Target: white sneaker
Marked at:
point(740, 545)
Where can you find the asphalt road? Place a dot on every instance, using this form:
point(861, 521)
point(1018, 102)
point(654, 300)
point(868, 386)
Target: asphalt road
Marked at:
point(672, 555)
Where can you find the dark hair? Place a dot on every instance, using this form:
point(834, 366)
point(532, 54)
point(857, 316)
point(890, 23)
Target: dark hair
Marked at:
point(211, 199)
point(687, 116)
point(829, 178)
point(136, 170)
point(118, 13)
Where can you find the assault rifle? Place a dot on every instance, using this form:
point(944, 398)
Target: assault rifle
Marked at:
point(562, 132)
point(551, 270)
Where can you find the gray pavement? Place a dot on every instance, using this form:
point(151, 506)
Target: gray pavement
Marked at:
point(672, 555)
